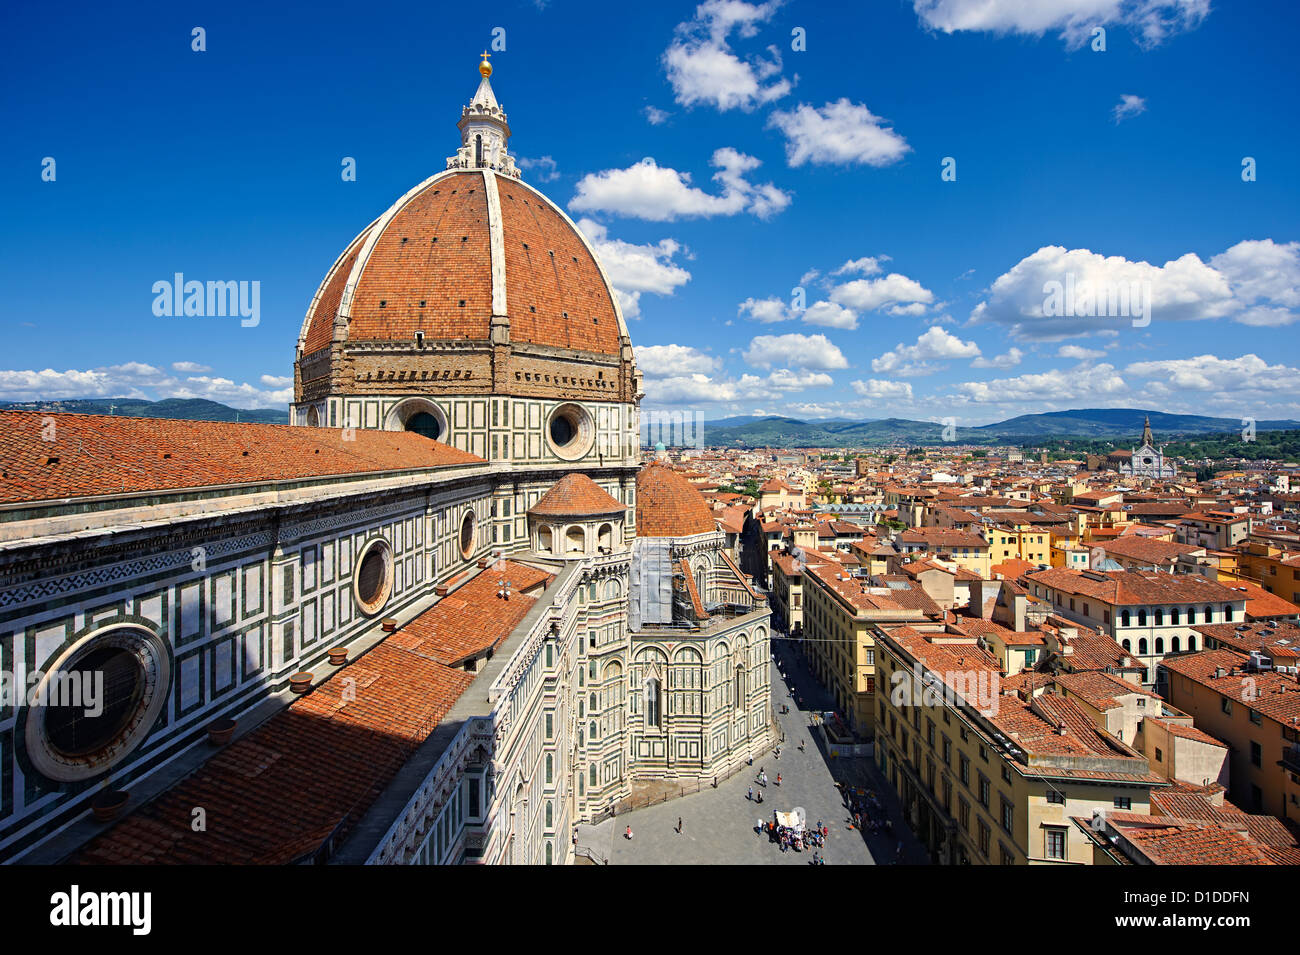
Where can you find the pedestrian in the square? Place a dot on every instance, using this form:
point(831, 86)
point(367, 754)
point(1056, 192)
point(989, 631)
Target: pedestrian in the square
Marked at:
point(750, 795)
point(679, 825)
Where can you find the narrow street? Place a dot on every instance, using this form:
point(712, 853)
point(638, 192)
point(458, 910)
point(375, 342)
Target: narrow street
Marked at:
point(719, 826)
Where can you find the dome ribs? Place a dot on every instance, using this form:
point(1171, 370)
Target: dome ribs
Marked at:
point(455, 268)
point(418, 318)
point(321, 330)
point(548, 267)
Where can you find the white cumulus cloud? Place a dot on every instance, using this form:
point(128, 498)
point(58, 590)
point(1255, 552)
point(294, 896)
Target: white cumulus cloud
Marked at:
point(1074, 20)
point(666, 361)
point(839, 133)
point(704, 69)
point(1082, 382)
point(657, 193)
point(634, 269)
point(795, 351)
point(867, 295)
point(1184, 289)
point(880, 390)
point(936, 343)
point(1128, 105)
point(139, 380)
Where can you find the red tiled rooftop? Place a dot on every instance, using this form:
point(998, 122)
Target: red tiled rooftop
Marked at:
point(473, 619)
point(311, 771)
point(576, 495)
point(106, 454)
point(668, 505)
point(430, 270)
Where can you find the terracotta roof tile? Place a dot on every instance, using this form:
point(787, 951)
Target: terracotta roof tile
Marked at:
point(576, 495)
point(434, 254)
point(107, 454)
point(474, 619)
point(668, 505)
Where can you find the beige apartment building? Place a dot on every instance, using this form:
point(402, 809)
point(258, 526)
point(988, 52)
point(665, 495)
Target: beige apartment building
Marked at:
point(970, 550)
point(1256, 711)
point(1147, 613)
point(841, 615)
point(988, 777)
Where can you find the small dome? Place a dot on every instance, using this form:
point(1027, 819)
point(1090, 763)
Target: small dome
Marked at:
point(660, 446)
point(576, 495)
point(668, 505)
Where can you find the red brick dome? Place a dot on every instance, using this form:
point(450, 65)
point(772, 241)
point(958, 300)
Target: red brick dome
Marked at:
point(576, 495)
point(457, 250)
point(668, 505)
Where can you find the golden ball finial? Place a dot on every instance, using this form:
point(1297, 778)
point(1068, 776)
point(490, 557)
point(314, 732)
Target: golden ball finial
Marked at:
point(485, 68)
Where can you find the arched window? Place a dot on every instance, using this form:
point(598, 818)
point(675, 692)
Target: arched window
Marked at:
point(741, 687)
point(550, 768)
point(1124, 619)
point(1191, 616)
point(548, 850)
point(478, 150)
point(1173, 616)
point(1160, 645)
point(1191, 644)
point(593, 774)
point(1128, 645)
point(605, 538)
point(1142, 647)
point(545, 540)
point(1174, 644)
point(652, 701)
point(575, 540)
point(591, 731)
point(1160, 618)
point(1209, 615)
point(425, 424)
point(1142, 618)
point(591, 706)
point(1227, 613)
point(550, 823)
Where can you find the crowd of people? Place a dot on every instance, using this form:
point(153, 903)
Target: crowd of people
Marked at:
point(866, 811)
point(795, 838)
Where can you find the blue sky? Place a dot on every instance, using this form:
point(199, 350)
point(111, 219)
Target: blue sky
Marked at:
point(716, 168)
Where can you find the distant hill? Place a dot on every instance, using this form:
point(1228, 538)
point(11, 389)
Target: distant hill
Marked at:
point(1119, 424)
point(193, 409)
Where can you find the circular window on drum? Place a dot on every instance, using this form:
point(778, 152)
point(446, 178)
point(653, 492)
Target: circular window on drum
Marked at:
point(570, 431)
point(97, 702)
point(419, 416)
point(372, 582)
point(425, 424)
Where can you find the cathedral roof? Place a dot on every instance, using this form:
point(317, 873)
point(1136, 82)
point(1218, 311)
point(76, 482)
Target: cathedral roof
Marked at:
point(668, 505)
point(469, 249)
point(576, 495)
point(462, 247)
point(341, 748)
point(54, 456)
